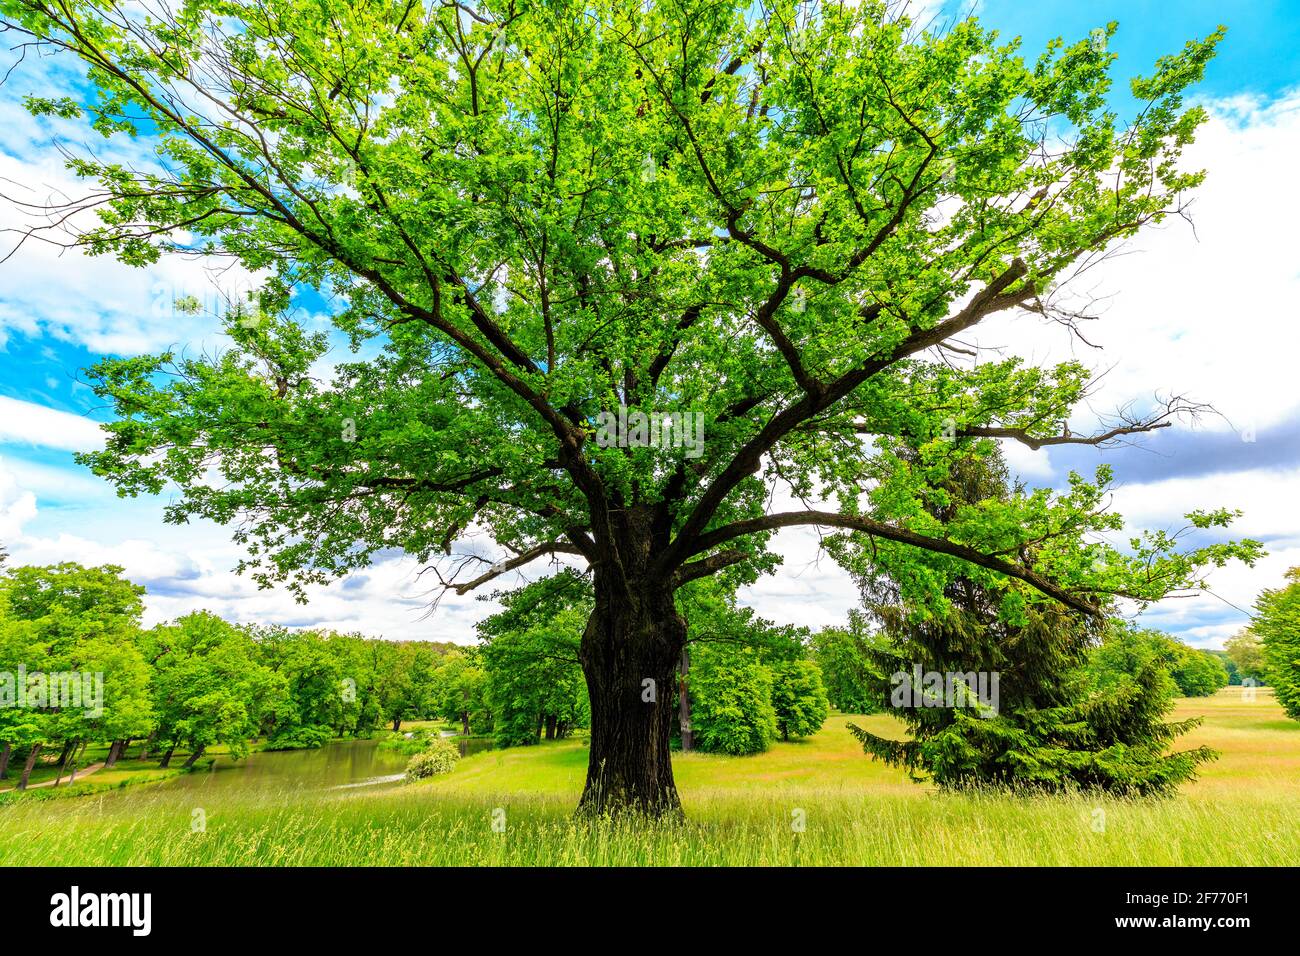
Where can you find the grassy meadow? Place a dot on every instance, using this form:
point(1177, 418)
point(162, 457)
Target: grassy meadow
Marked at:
point(816, 802)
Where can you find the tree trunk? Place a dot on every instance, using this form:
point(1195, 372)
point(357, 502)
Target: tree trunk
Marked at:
point(167, 757)
point(464, 722)
point(114, 751)
point(397, 724)
point(629, 655)
point(27, 767)
point(551, 721)
point(4, 760)
point(684, 701)
point(198, 752)
point(148, 745)
point(72, 765)
point(63, 757)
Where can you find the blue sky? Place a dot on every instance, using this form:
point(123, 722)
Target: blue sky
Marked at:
point(1210, 313)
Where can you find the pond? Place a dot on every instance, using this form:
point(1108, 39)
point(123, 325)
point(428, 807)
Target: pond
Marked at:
point(341, 763)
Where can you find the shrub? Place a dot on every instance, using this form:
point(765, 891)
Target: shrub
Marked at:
point(304, 737)
point(1199, 673)
point(798, 698)
point(417, 741)
point(440, 757)
point(731, 698)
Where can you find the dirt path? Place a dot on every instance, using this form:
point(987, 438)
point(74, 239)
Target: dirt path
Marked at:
point(49, 783)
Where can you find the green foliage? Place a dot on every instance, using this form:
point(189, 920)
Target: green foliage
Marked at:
point(842, 654)
point(1246, 651)
point(438, 756)
point(411, 742)
point(530, 656)
point(1229, 666)
point(798, 698)
point(1199, 673)
point(461, 691)
point(1277, 623)
point(1195, 673)
point(299, 737)
point(731, 700)
point(1055, 725)
point(209, 686)
point(69, 619)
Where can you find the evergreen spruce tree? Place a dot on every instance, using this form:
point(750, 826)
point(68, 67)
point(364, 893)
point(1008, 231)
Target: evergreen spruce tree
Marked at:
point(1052, 727)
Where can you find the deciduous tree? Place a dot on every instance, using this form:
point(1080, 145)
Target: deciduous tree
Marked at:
point(776, 223)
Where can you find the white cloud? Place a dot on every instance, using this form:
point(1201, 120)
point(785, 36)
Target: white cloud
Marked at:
point(17, 506)
point(1266, 497)
point(33, 424)
point(191, 569)
point(1211, 311)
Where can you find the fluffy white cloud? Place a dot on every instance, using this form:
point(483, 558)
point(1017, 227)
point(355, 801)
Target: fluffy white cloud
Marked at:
point(31, 424)
point(389, 599)
point(17, 505)
point(1211, 309)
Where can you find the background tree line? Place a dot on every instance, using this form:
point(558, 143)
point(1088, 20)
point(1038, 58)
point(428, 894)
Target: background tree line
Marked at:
point(200, 681)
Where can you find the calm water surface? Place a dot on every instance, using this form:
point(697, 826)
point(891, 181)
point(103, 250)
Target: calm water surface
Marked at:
point(338, 764)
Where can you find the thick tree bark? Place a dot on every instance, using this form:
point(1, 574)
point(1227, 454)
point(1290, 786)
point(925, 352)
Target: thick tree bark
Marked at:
point(464, 722)
point(629, 655)
point(114, 750)
point(167, 757)
point(27, 767)
point(198, 752)
point(397, 724)
point(551, 721)
point(4, 760)
point(67, 751)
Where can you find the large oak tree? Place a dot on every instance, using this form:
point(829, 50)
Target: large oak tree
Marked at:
point(779, 218)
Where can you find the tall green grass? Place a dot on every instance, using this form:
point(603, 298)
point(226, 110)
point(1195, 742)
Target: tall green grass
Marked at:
point(418, 826)
point(820, 802)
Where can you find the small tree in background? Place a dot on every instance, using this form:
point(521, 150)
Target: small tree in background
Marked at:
point(210, 688)
point(530, 655)
point(1247, 651)
point(852, 686)
point(731, 694)
point(462, 691)
point(1277, 622)
point(1199, 673)
point(799, 699)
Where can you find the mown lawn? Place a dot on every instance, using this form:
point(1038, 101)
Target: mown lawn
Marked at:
point(814, 802)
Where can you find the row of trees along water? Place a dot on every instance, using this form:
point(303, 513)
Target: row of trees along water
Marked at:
point(200, 682)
